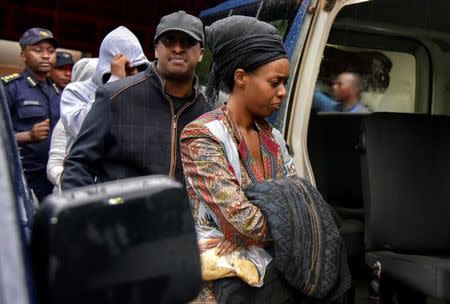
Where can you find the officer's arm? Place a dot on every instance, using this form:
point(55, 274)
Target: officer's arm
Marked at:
point(23, 138)
point(39, 132)
point(82, 163)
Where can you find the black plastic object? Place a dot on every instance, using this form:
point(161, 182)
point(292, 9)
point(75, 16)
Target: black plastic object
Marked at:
point(128, 241)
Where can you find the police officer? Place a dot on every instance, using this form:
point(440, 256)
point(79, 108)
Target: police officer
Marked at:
point(34, 106)
point(61, 74)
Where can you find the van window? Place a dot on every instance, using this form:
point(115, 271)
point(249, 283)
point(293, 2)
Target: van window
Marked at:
point(388, 78)
point(394, 65)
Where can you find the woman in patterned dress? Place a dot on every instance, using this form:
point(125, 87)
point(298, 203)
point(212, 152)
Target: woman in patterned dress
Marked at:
point(225, 150)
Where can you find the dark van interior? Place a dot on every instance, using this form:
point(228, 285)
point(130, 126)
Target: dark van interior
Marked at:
point(386, 173)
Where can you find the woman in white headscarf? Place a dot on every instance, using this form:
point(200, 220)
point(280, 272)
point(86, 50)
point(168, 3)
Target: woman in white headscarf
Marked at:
point(82, 70)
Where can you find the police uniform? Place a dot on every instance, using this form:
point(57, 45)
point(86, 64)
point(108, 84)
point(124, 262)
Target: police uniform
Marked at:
point(30, 102)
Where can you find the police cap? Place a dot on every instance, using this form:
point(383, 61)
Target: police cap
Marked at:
point(35, 35)
point(63, 58)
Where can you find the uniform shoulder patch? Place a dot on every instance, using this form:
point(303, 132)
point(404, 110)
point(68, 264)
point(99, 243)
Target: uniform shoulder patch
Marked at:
point(11, 77)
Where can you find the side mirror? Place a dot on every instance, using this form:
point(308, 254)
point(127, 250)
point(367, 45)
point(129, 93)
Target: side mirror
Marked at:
point(127, 241)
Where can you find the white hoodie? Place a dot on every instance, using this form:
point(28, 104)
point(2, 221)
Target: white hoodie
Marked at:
point(82, 70)
point(78, 97)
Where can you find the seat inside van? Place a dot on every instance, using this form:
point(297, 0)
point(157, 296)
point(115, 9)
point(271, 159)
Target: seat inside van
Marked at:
point(333, 149)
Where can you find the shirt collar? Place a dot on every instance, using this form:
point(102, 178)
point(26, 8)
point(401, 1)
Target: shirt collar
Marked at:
point(355, 108)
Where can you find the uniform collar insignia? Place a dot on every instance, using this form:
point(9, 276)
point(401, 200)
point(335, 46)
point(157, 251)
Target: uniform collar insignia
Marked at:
point(57, 90)
point(31, 82)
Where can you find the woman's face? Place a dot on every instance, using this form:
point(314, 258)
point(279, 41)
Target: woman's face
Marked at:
point(265, 87)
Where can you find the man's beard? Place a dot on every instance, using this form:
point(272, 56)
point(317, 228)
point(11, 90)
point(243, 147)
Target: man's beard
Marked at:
point(179, 77)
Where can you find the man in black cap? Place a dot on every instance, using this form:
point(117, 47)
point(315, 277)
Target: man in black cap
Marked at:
point(134, 126)
point(61, 74)
point(34, 106)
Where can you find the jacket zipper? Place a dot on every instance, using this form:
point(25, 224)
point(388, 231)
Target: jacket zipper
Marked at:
point(173, 158)
point(174, 121)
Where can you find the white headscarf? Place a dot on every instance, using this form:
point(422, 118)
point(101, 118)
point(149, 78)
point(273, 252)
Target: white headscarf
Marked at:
point(83, 69)
point(119, 41)
point(78, 97)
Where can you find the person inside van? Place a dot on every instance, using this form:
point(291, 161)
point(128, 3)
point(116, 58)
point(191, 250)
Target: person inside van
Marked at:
point(347, 91)
point(346, 95)
point(61, 74)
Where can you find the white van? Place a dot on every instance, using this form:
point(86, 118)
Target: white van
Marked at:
point(401, 51)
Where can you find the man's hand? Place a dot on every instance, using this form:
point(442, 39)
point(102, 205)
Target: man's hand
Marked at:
point(40, 131)
point(119, 66)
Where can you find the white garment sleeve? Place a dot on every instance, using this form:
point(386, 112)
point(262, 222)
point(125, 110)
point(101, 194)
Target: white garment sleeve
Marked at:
point(57, 154)
point(74, 109)
point(113, 78)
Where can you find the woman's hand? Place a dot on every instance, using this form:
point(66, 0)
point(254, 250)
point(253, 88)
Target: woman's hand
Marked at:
point(225, 247)
point(222, 246)
point(206, 244)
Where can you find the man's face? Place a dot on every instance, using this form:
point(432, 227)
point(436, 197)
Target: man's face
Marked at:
point(39, 57)
point(343, 87)
point(62, 75)
point(178, 55)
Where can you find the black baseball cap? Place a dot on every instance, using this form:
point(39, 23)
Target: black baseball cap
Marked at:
point(35, 35)
point(63, 58)
point(183, 22)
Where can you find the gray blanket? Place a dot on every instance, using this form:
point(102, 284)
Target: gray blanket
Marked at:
point(308, 248)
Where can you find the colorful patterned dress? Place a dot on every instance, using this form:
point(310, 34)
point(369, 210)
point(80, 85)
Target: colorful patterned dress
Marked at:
point(218, 166)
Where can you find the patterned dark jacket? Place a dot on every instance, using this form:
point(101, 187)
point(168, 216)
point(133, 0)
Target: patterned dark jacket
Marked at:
point(308, 248)
point(130, 131)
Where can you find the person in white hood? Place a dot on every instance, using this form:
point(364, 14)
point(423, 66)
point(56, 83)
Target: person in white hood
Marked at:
point(120, 55)
point(82, 70)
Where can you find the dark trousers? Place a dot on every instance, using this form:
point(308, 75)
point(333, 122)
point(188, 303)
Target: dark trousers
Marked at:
point(38, 182)
point(275, 290)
